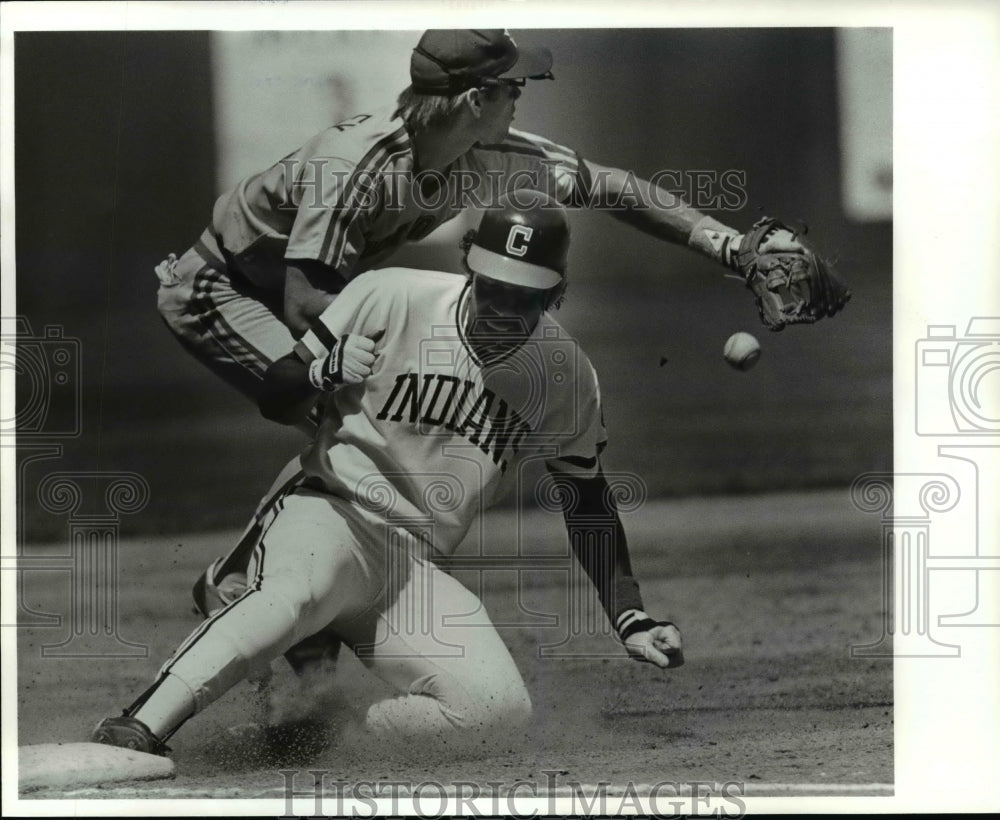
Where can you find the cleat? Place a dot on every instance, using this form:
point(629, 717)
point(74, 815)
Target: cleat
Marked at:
point(128, 733)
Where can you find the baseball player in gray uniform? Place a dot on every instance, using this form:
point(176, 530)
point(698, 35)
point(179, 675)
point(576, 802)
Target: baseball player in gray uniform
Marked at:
point(436, 389)
point(286, 240)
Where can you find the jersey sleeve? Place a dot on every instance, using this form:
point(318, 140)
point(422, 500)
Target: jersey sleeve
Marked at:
point(525, 160)
point(582, 415)
point(361, 308)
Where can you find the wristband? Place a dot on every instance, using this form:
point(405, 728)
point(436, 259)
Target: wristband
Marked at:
point(635, 620)
point(715, 240)
point(733, 260)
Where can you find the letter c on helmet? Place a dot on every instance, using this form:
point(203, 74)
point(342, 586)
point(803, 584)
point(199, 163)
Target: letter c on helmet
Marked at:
point(518, 238)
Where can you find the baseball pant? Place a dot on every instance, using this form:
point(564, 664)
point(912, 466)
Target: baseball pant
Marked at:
point(323, 562)
point(232, 326)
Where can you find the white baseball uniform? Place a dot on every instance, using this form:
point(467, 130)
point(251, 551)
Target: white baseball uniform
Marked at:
point(401, 466)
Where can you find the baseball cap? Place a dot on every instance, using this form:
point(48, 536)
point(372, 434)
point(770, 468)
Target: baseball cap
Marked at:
point(448, 61)
point(523, 241)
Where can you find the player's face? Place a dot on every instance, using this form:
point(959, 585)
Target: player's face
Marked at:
point(503, 315)
point(498, 112)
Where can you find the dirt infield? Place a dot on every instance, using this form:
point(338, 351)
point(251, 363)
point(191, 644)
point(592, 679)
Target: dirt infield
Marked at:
point(770, 592)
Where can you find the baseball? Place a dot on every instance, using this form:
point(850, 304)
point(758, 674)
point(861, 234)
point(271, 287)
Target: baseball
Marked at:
point(741, 351)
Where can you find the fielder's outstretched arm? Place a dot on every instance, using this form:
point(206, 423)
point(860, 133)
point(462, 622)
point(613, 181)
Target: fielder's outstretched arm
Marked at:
point(807, 288)
point(659, 212)
point(591, 514)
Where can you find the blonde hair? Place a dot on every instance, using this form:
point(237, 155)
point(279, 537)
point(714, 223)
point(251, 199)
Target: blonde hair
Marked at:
point(425, 111)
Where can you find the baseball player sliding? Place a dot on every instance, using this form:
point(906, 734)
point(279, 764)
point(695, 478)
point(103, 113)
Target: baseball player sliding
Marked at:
point(283, 243)
point(436, 388)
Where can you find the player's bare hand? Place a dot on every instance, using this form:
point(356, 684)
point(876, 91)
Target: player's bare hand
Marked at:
point(661, 645)
point(649, 640)
point(349, 362)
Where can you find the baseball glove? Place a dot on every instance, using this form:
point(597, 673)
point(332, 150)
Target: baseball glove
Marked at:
point(792, 285)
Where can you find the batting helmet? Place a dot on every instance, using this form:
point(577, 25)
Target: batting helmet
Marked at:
point(523, 241)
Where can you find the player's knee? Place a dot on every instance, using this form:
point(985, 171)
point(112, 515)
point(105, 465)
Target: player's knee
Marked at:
point(451, 718)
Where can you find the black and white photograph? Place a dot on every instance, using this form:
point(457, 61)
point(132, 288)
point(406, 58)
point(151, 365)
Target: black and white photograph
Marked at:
point(499, 408)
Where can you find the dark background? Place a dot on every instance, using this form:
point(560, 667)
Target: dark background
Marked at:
point(115, 167)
